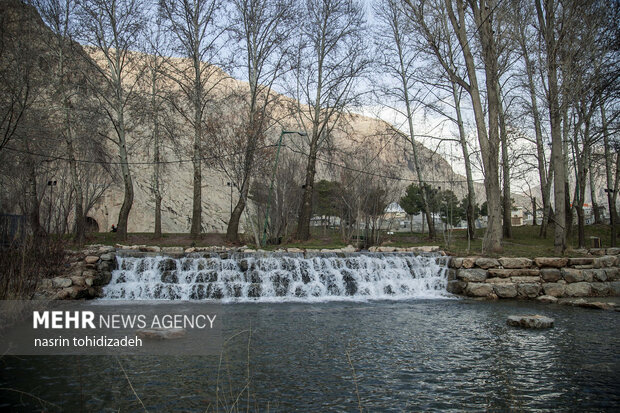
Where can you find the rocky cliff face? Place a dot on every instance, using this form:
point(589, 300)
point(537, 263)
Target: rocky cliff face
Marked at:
point(386, 154)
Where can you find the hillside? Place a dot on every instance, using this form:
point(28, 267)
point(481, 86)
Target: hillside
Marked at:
point(376, 149)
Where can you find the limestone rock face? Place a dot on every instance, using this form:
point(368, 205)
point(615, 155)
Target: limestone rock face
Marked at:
point(530, 321)
point(515, 262)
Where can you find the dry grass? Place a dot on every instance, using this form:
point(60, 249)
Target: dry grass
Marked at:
point(22, 266)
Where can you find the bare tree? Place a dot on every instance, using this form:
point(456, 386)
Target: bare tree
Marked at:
point(483, 14)
point(263, 28)
point(59, 15)
point(158, 94)
point(20, 76)
point(612, 177)
point(546, 12)
point(522, 35)
point(398, 59)
point(114, 29)
point(332, 58)
point(194, 24)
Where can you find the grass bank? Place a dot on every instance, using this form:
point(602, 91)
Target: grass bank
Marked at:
point(524, 242)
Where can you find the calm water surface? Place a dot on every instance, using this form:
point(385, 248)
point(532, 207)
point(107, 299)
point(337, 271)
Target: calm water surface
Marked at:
point(418, 355)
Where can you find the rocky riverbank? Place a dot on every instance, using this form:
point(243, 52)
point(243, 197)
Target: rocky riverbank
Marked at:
point(595, 275)
point(87, 271)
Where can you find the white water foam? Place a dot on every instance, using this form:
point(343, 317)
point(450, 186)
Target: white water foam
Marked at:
point(279, 277)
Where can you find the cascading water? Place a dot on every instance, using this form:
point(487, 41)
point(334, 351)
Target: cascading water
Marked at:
point(279, 277)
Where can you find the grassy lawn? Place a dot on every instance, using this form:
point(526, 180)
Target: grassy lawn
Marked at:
point(524, 243)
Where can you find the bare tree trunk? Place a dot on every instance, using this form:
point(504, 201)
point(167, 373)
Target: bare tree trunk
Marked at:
point(611, 185)
point(489, 143)
point(546, 19)
point(581, 161)
point(196, 228)
point(595, 207)
point(471, 194)
point(507, 201)
point(305, 214)
point(232, 231)
point(534, 223)
point(123, 215)
point(80, 219)
point(568, 209)
point(156, 157)
point(544, 177)
point(33, 203)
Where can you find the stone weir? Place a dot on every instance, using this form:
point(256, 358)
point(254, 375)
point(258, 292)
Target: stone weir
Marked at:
point(173, 273)
point(595, 275)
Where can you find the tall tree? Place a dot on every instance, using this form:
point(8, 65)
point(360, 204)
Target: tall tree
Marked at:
point(114, 28)
point(483, 13)
point(59, 15)
point(263, 29)
point(332, 58)
point(398, 60)
point(612, 174)
point(522, 35)
point(195, 26)
point(546, 12)
point(19, 72)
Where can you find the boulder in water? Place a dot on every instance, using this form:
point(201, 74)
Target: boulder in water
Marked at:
point(549, 299)
point(530, 321)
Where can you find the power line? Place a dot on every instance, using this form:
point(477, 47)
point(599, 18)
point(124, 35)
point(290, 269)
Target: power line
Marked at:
point(395, 178)
point(49, 158)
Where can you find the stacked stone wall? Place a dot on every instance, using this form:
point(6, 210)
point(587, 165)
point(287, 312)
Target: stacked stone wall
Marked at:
point(595, 275)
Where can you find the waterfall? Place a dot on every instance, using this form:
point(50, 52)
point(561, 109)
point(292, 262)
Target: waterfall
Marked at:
point(279, 277)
